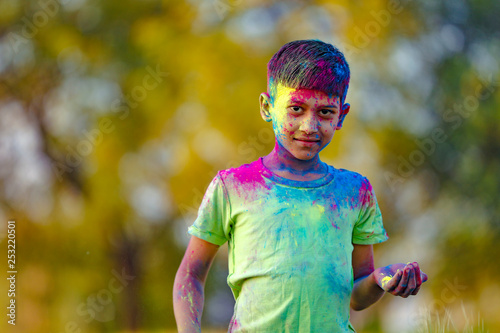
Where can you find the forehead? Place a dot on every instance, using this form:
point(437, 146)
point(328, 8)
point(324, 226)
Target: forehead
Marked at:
point(286, 94)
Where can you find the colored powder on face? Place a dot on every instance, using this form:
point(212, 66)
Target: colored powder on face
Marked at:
point(284, 123)
point(283, 93)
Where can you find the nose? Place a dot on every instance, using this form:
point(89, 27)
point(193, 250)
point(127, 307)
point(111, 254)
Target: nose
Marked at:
point(309, 124)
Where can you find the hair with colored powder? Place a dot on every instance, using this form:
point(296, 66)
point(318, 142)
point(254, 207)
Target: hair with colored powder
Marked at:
point(309, 64)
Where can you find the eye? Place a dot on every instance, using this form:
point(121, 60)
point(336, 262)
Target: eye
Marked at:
point(296, 109)
point(327, 112)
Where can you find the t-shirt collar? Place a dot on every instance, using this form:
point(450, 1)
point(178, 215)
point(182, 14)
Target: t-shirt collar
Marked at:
point(297, 183)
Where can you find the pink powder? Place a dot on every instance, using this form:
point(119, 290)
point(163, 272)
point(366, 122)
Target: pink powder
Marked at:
point(364, 189)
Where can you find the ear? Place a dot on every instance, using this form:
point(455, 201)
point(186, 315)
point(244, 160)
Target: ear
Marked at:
point(265, 106)
point(343, 113)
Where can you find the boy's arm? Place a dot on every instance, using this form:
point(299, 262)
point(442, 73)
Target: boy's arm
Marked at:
point(365, 291)
point(370, 285)
point(189, 284)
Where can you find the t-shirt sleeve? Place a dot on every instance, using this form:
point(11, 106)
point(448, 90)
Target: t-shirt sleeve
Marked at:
point(369, 228)
point(213, 221)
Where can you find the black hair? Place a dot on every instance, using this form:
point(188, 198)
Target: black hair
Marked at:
point(309, 64)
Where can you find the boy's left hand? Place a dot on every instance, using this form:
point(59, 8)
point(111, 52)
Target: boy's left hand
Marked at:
point(400, 279)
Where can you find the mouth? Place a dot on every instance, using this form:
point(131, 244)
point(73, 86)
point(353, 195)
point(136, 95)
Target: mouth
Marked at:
point(306, 142)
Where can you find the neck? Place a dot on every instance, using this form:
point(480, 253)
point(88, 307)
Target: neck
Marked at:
point(280, 160)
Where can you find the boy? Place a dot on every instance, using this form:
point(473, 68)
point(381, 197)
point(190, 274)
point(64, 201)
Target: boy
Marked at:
point(300, 231)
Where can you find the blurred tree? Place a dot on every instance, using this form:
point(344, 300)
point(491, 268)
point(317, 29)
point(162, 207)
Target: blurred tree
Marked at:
point(114, 116)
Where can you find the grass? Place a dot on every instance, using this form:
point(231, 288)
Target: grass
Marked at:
point(445, 324)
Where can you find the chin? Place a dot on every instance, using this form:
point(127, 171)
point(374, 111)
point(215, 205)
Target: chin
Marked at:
point(305, 156)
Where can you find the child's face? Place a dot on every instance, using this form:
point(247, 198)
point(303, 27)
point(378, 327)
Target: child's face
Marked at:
point(304, 120)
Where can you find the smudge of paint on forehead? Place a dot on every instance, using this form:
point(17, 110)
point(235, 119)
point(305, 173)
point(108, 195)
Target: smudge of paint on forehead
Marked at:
point(320, 98)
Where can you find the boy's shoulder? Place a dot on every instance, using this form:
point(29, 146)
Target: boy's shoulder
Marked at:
point(246, 173)
point(349, 174)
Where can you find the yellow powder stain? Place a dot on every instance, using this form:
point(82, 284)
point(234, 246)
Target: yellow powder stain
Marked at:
point(315, 212)
point(282, 94)
point(385, 281)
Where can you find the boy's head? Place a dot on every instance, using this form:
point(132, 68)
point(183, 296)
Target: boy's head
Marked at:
point(309, 64)
point(307, 85)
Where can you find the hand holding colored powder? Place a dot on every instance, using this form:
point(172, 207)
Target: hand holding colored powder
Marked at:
point(400, 279)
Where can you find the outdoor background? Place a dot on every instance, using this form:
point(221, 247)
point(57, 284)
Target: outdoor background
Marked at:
point(115, 116)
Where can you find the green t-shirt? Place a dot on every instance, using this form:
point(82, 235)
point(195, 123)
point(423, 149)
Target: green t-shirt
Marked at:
point(290, 245)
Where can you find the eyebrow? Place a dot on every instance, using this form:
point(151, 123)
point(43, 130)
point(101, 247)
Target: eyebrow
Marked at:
point(299, 101)
point(295, 100)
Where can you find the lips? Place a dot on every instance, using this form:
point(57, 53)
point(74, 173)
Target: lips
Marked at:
point(307, 139)
point(308, 143)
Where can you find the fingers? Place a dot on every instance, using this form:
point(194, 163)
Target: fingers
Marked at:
point(406, 281)
point(403, 283)
point(394, 282)
point(418, 278)
point(423, 278)
point(410, 282)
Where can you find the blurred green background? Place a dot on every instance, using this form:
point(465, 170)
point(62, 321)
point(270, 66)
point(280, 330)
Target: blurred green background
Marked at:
point(115, 116)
